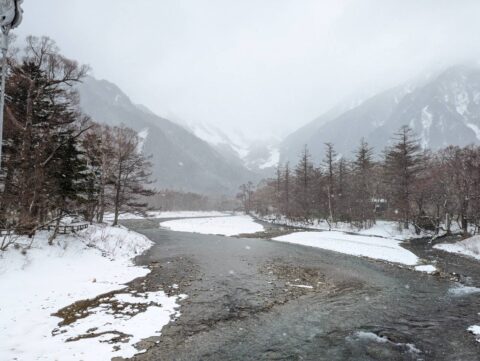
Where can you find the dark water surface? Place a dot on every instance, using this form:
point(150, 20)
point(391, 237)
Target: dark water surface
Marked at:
point(245, 304)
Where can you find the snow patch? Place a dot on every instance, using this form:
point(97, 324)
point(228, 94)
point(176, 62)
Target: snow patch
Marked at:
point(169, 214)
point(142, 136)
point(475, 129)
point(356, 245)
point(426, 268)
point(370, 336)
point(462, 102)
point(273, 161)
point(187, 214)
point(427, 121)
point(469, 247)
point(476, 331)
point(226, 226)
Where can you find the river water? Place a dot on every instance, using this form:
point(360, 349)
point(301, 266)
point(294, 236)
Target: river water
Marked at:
point(254, 299)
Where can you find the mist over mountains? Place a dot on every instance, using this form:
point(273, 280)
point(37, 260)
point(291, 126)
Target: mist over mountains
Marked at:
point(442, 111)
point(181, 160)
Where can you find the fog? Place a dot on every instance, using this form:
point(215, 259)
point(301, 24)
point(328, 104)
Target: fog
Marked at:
point(264, 66)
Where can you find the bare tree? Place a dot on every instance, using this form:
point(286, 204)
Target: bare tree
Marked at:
point(131, 173)
point(246, 196)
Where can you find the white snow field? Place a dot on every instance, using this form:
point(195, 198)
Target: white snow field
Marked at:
point(45, 279)
point(168, 214)
point(470, 247)
point(386, 249)
point(225, 226)
point(186, 214)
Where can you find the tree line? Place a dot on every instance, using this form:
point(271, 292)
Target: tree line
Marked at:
point(57, 161)
point(430, 190)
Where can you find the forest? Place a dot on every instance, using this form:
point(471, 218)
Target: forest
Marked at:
point(56, 161)
point(431, 190)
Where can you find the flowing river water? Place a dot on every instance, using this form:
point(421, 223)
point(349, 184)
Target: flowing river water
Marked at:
point(255, 299)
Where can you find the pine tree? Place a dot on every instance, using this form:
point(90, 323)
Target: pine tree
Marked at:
point(40, 110)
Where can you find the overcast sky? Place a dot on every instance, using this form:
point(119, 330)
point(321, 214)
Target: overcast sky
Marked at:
point(265, 66)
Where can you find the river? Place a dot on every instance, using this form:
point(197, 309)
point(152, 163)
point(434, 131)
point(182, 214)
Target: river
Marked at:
point(255, 299)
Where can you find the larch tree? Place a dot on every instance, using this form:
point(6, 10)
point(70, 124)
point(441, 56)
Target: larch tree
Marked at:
point(403, 163)
point(329, 165)
point(303, 185)
point(363, 187)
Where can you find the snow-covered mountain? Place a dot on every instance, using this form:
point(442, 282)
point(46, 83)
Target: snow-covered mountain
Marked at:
point(442, 110)
point(260, 156)
point(181, 160)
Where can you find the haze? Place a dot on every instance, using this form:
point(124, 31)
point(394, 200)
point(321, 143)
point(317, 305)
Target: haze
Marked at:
point(266, 67)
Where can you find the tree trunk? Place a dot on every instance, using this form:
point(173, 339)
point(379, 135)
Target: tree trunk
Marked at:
point(118, 192)
point(464, 225)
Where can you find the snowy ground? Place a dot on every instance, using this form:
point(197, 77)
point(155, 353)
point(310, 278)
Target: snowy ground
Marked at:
point(45, 279)
point(386, 249)
point(187, 214)
point(469, 247)
point(226, 226)
point(380, 229)
point(160, 214)
point(384, 229)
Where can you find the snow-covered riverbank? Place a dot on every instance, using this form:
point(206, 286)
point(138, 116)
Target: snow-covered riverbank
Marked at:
point(167, 214)
point(39, 282)
point(469, 247)
point(385, 229)
point(386, 249)
point(226, 226)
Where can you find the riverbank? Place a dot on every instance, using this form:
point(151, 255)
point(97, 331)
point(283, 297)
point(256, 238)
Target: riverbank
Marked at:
point(46, 289)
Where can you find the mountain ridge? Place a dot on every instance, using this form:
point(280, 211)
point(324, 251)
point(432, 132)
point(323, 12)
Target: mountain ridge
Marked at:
point(442, 110)
point(181, 161)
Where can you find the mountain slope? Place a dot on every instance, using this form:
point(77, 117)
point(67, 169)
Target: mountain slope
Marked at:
point(259, 156)
point(443, 110)
point(181, 160)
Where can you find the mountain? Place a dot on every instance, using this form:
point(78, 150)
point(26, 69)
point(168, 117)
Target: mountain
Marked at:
point(181, 160)
point(443, 110)
point(259, 156)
